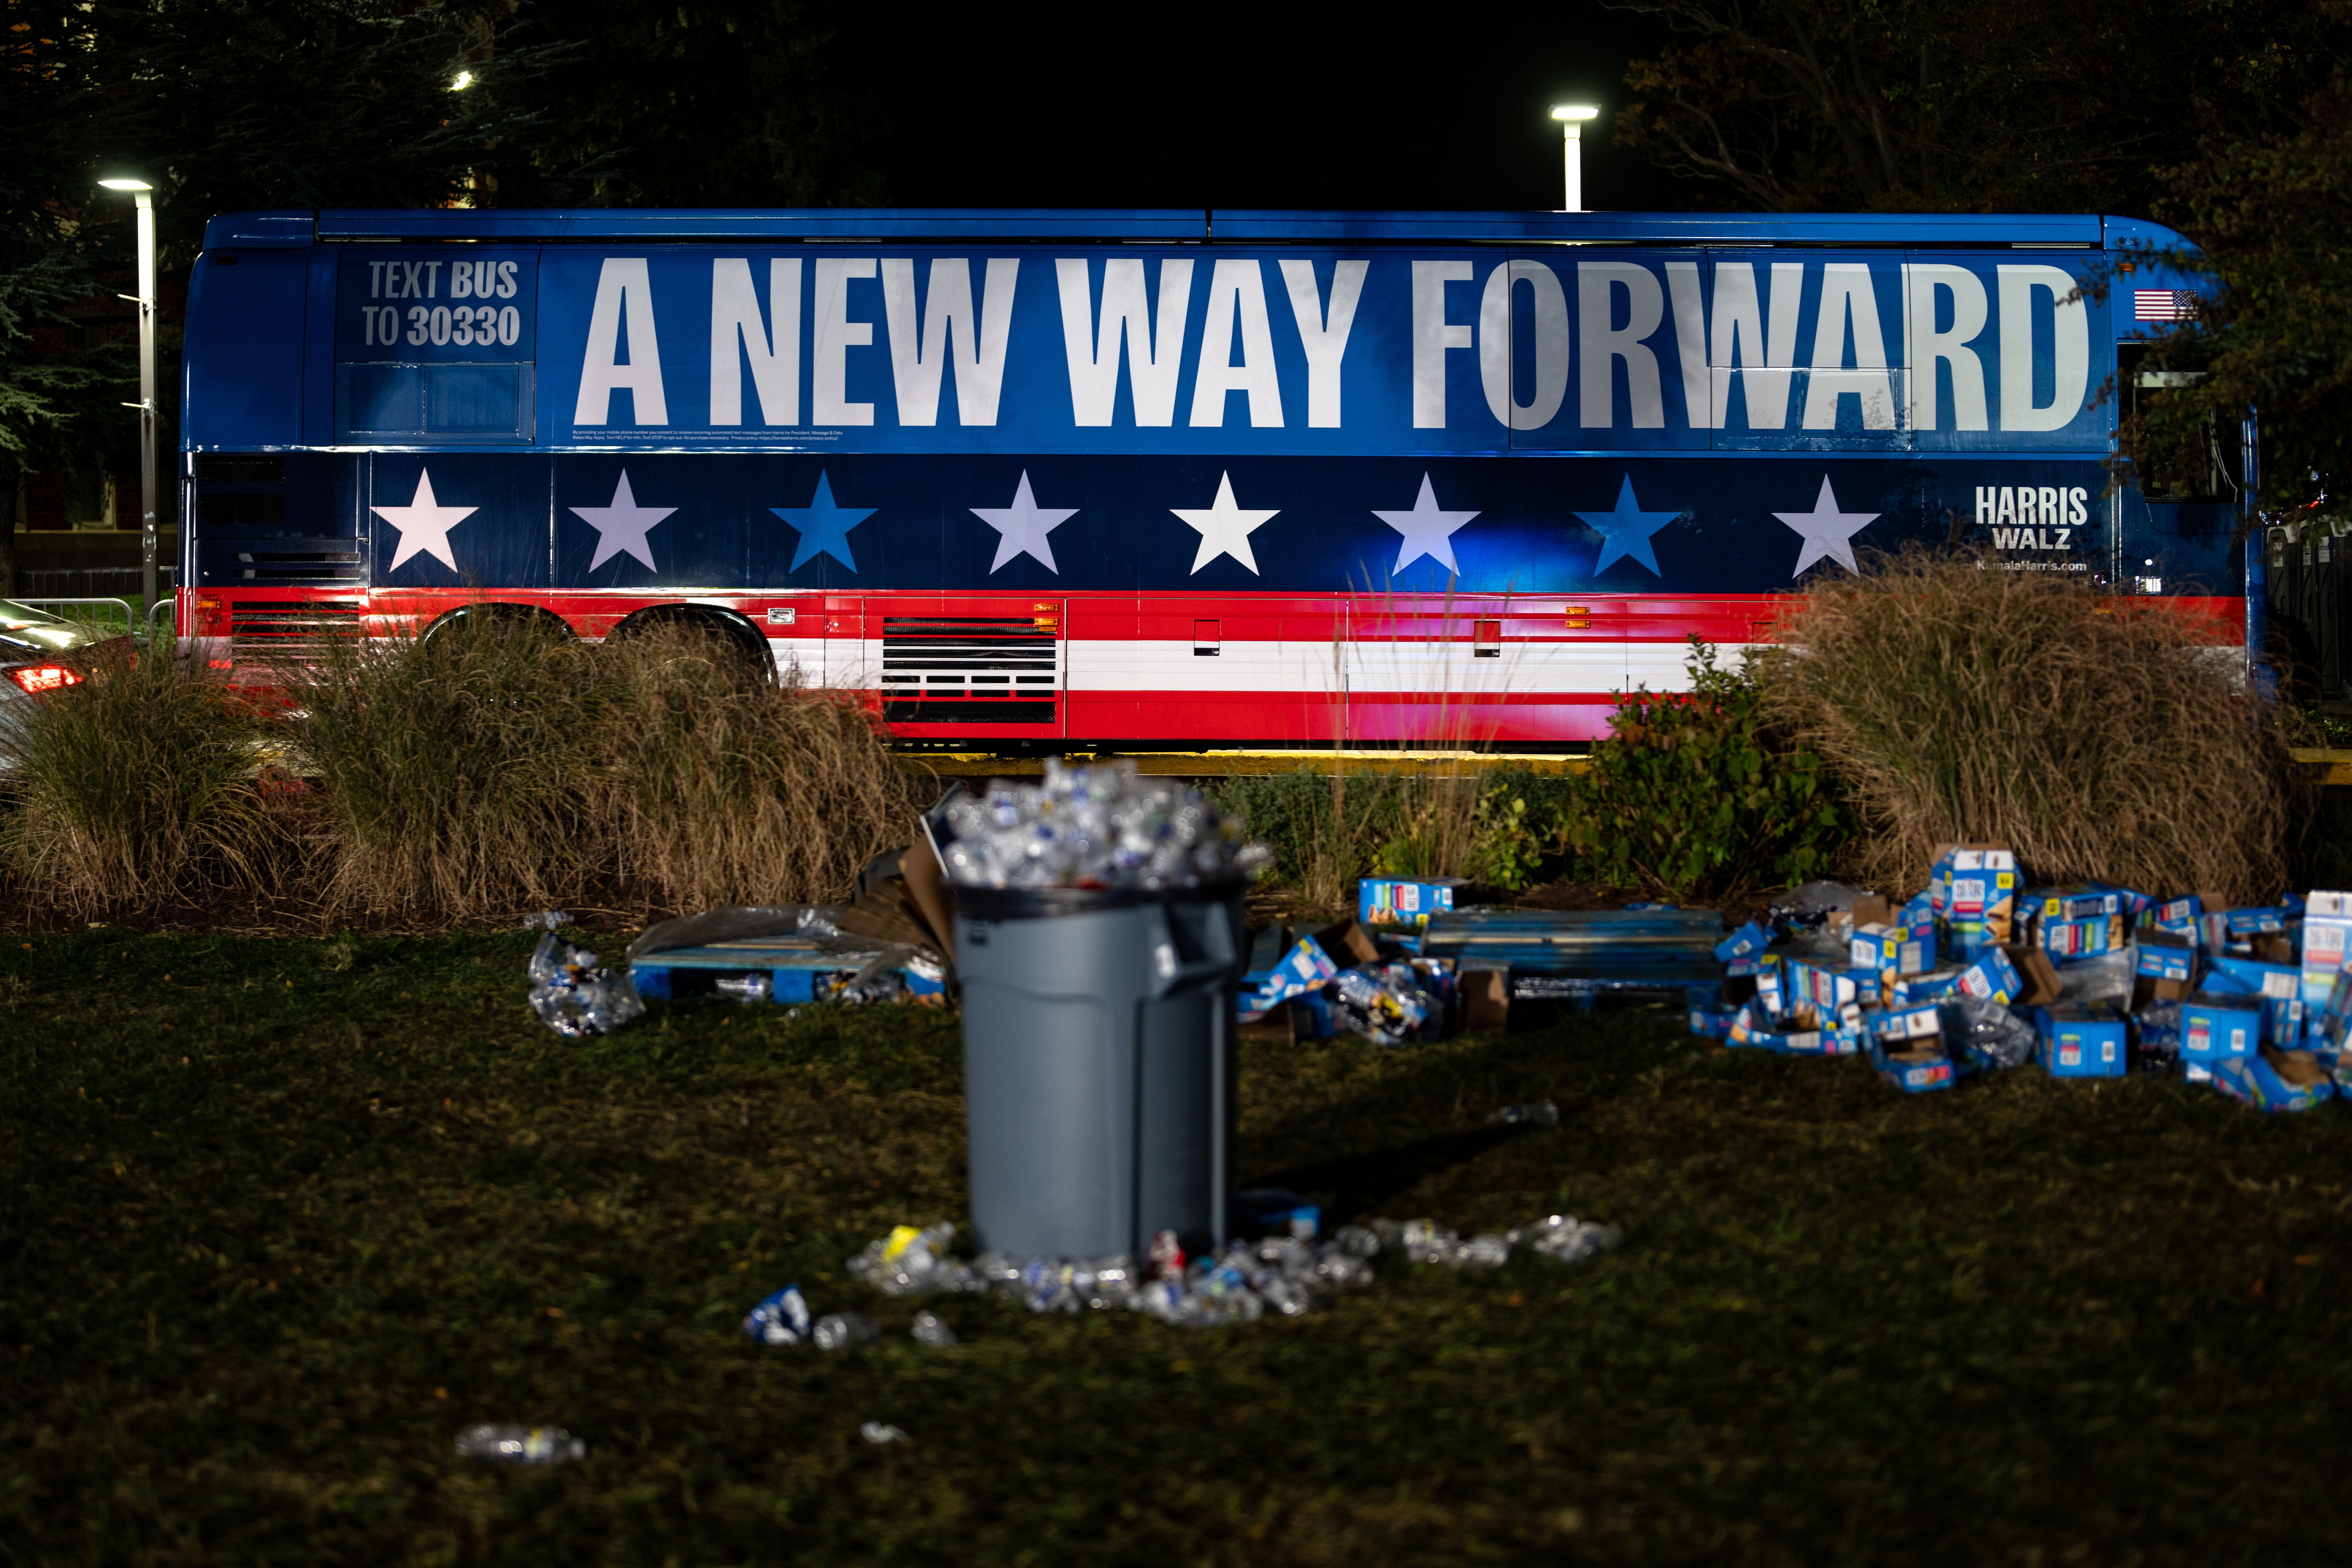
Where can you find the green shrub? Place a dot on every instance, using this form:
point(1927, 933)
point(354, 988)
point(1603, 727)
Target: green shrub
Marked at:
point(1695, 793)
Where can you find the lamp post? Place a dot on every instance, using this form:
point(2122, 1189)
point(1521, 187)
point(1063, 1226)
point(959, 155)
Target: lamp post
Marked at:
point(1571, 118)
point(143, 195)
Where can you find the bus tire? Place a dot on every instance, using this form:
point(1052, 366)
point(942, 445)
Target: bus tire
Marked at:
point(516, 616)
point(733, 637)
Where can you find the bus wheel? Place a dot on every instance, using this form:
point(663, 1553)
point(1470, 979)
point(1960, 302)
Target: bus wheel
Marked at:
point(718, 639)
point(526, 618)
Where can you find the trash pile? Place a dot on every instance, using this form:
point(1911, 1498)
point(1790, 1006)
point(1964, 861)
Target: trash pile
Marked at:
point(1385, 990)
point(1097, 827)
point(569, 988)
point(1290, 1275)
point(1979, 973)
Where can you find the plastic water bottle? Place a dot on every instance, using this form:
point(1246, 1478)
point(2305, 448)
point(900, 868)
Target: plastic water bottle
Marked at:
point(928, 1331)
point(521, 1445)
point(839, 1331)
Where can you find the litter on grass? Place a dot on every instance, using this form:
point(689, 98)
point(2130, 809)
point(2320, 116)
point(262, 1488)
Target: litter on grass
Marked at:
point(521, 1445)
point(1290, 1275)
point(1542, 1113)
point(880, 1433)
point(1984, 972)
point(571, 991)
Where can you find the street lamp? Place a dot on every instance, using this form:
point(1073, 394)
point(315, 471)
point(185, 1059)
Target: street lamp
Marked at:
point(1571, 118)
point(143, 194)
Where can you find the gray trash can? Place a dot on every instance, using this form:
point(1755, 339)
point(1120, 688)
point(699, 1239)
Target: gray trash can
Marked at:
point(1098, 1065)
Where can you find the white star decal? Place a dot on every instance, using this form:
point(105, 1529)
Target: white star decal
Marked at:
point(424, 524)
point(1828, 532)
point(1022, 527)
point(621, 527)
point(1427, 530)
point(1224, 527)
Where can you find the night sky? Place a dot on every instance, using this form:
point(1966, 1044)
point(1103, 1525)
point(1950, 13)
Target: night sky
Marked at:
point(1371, 109)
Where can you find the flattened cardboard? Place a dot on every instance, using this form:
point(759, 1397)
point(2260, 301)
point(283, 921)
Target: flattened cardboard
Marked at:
point(1350, 941)
point(1486, 999)
point(2039, 973)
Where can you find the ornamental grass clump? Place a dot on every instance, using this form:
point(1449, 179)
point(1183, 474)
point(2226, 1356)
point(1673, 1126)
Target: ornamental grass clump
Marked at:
point(720, 787)
point(499, 764)
point(457, 770)
point(136, 787)
point(2098, 738)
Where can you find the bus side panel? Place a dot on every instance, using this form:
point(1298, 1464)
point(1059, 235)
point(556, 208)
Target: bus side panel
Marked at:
point(243, 353)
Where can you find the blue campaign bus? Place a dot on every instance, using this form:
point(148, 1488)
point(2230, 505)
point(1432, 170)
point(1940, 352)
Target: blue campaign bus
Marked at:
point(1172, 479)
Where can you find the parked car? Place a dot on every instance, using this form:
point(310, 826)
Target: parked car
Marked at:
point(39, 653)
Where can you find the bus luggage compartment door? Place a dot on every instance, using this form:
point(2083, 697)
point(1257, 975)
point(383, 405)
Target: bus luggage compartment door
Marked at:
point(969, 666)
point(1476, 670)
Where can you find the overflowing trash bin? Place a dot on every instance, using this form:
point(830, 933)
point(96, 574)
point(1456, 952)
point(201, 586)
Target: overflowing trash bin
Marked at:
point(1099, 934)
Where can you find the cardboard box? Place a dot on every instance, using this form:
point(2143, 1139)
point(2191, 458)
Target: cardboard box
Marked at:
point(2035, 972)
point(1867, 908)
point(2164, 956)
point(2216, 1027)
point(1304, 967)
point(1755, 1033)
point(1922, 1070)
point(2326, 946)
point(1404, 901)
point(1349, 943)
point(1973, 888)
point(1993, 978)
point(1817, 992)
point(1750, 938)
point(2083, 1042)
point(1888, 947)
point(1902, 990)
point(2086, 937)
point(2179, 917)
point(1486, 1000)
point(2334, 1022)
point(2231, 976)
point(2275, 1080)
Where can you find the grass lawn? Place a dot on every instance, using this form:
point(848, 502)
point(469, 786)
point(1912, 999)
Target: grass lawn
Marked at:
point(278, 1218)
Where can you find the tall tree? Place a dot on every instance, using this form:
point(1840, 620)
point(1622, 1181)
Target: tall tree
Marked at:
point(2271, 216)
point(1958, 105)
point(689, 104)
point(239, 104)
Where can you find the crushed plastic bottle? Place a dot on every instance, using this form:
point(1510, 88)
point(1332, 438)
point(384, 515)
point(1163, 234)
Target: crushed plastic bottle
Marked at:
point(1568, 1240)
point(575, 995)
point(781, 1319)
point(1095, 827)
point(1987, 1032)
point(932, 1333)
point(742, 987)
point(839, 1331)
point(521, 1445)
point(911, 1262)
point(880, 1433)
point(1542, 1113)
point(546, 920)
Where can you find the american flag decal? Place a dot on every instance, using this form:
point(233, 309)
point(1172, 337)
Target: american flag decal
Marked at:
point(2163, 305)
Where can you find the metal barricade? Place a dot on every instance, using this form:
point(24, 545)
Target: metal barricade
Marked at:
point(119, 616)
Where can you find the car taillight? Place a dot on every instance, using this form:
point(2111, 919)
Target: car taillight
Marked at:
point(211, 619)
point(39, 678)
